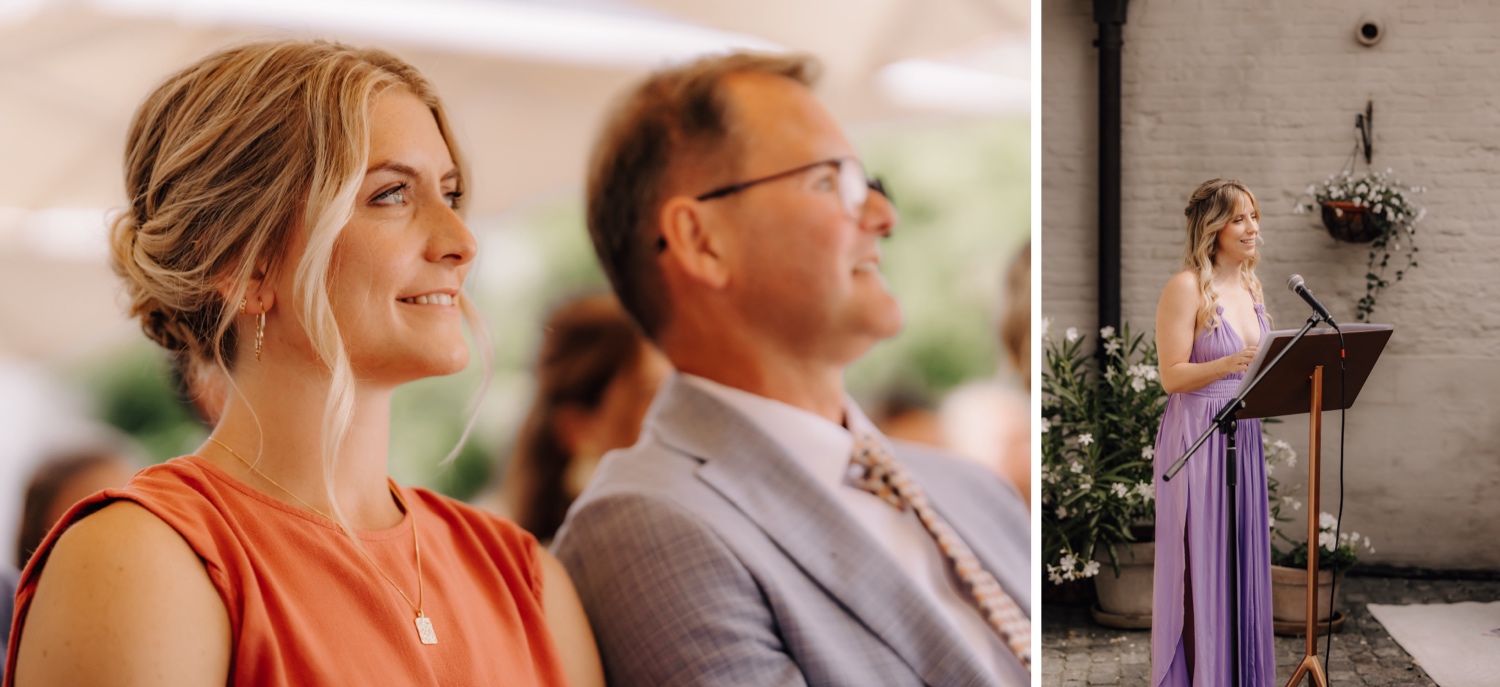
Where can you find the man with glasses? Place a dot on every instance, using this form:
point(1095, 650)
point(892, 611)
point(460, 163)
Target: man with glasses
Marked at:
point(761, 531)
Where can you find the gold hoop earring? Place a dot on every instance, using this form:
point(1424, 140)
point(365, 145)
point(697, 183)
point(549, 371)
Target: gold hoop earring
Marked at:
point(260, 328)
point(242, 306)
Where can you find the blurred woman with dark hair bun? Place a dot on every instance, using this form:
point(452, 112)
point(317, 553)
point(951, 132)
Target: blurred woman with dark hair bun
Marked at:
point(595, 378)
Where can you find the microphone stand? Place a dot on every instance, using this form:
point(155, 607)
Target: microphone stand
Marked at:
point(1224, 423)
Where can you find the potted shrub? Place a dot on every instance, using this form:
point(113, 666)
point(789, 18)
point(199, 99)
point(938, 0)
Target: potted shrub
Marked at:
point(1289, 565)
point(1100, 414)
point(1375, 209)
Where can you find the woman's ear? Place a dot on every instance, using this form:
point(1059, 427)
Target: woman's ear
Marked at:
point(258, 296)
point(694, 240)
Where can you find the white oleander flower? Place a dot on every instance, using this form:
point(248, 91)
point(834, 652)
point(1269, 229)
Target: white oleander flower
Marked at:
point(1112, 347)
point(1076, 467)
point(1120, 490)
point(1106, 332)
point(1085, 439)
point(1071, 335)
point(1148, 452)
point(1046, 425)
point(1091, 569)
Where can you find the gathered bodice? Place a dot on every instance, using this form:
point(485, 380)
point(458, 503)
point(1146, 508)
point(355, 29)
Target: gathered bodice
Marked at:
point(1218, 342)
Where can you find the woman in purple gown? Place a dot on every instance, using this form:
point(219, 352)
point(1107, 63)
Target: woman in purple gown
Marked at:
point(1208, 324)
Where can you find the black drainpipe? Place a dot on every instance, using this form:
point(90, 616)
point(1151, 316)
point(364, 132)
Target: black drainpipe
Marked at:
point(1110, 16)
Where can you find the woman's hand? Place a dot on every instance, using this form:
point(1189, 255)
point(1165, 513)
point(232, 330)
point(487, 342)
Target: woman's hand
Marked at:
point(1236, 362)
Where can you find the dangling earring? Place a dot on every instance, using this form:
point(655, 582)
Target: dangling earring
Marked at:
point(242, 306)
point(260, 328)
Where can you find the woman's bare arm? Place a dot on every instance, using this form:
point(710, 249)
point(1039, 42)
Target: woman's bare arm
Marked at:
point(124, 600)
point(569, 625)
point(1176, 325)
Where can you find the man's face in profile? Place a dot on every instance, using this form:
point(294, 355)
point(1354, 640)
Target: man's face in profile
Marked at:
point(806, 262)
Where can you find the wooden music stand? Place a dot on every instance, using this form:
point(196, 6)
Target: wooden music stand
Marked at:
point(1295, 385)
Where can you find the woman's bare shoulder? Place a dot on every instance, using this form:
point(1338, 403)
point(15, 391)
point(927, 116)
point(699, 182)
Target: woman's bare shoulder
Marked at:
point(1181, 291)
point(1184, 281)
point(122, 594)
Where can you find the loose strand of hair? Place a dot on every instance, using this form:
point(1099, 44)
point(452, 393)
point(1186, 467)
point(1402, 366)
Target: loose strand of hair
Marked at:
point(480, 331)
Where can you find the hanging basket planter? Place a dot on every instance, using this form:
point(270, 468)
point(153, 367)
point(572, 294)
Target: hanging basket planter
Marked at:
point(1385, 218)
point(1349, 222)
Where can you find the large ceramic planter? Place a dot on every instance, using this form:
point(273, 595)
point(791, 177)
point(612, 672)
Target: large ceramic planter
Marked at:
point(1289, 600)
point(1125, 601)
point(1349, 222)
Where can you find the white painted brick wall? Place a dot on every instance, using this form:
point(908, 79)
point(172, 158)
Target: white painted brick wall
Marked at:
point(1267, 92)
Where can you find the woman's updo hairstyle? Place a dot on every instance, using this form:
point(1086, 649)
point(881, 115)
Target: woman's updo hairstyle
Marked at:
point(224, 161)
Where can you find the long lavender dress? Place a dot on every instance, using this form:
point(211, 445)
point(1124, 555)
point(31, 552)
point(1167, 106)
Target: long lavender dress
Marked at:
point(1193, 508)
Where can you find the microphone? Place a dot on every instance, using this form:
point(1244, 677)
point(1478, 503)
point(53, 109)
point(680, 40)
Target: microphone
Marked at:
point(1299, 288)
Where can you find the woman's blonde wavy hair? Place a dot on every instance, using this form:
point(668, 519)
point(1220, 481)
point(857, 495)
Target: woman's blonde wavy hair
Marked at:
point(224, 161)
point(1208, 211)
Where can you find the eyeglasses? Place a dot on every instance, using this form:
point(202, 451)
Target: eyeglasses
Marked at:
point(854, 186)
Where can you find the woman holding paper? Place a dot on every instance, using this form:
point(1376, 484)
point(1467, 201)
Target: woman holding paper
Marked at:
point(1209, 323)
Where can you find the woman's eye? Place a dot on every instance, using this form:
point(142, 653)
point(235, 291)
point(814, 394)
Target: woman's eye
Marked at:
point(394, 196)
point(454, 198)
point(826, 182)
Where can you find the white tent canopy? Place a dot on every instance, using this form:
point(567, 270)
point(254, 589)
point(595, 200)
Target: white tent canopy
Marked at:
point(526, 83)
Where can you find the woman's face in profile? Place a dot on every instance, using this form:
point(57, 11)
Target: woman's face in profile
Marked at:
point(399, 264)
point(1237, 241)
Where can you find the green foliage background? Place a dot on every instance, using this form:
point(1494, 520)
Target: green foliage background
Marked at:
point(963, 191)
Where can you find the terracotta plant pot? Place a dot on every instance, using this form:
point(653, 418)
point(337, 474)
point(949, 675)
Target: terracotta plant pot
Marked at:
point(1349, 222)
point(1125, 601)
point(1289, 594)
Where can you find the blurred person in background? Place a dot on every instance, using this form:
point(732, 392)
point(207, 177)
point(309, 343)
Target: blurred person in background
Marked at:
point(595, 377)
point(762, 531)
point(990, 421)
point(294, 220)
point(908, 416)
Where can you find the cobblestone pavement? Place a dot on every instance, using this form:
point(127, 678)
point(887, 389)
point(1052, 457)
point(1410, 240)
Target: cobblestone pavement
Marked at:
point(1076, 651)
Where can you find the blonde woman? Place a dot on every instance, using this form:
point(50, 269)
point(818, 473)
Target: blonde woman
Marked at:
point(294, 218)
point(1208, 325)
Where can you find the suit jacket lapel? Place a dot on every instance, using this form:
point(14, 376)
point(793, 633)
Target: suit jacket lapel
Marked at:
point(754, 474)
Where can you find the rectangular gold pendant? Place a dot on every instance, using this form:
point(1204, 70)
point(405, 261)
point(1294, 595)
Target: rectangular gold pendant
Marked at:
point(424, 630)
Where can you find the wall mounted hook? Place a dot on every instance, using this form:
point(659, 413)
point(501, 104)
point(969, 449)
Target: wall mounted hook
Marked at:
point(1364, 124)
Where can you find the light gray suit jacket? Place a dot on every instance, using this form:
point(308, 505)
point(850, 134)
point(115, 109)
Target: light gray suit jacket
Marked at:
point(705, 556)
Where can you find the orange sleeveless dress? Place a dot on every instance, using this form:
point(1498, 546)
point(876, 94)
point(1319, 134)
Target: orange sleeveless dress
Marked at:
point(305, 608)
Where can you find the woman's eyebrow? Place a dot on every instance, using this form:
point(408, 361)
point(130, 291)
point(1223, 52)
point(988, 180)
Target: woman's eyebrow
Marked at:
point(407, 170)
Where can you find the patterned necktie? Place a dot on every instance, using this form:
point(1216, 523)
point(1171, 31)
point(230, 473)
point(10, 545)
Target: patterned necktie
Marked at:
point(875, 470)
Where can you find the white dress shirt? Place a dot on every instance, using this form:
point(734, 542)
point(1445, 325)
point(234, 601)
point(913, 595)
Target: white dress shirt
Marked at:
point(824, 449)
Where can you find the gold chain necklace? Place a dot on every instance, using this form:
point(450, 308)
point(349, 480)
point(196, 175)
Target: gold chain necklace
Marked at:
point(425, 633)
